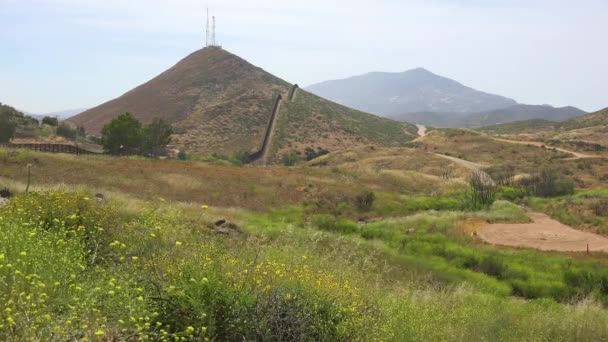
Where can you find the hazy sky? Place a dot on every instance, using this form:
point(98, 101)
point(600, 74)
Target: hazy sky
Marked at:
point(61, 54)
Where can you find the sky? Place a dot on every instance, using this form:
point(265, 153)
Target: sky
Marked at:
point(64, 54)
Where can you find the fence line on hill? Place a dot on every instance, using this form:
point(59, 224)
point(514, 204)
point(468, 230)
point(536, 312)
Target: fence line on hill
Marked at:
point(49, 148)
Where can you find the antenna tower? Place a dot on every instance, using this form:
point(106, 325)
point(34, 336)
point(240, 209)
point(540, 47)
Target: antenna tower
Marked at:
point(207, 30)
point(213, 42)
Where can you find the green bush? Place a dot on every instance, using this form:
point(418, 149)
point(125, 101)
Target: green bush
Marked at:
point(51, 121)
point(182, 155)
point(511, 193)
point(334, 224)
point(549, 183)
point(290, 159)
point(66, 131)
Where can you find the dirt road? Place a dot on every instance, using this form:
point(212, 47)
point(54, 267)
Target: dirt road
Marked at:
point(544, 233)
point(576, 155)
point(421, 130)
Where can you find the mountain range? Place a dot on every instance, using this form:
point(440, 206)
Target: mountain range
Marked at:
point(220, 103)
point(423, 97)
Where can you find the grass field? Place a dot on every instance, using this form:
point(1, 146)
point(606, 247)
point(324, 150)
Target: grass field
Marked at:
point(305, 254)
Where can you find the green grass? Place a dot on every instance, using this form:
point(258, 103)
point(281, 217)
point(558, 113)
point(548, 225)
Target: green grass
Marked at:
point(432, 242)
point(89, 269)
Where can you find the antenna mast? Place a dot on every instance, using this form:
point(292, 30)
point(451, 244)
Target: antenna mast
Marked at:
point(207, 31)
point(213, 42)
point(210, 40)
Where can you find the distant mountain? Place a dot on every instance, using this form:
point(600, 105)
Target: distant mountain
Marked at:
point(61, 115)
point(220, 103)
point(64, 114)
point(413, 91)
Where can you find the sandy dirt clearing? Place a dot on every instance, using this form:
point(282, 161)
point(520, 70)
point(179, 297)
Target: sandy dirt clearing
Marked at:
point(544, 233)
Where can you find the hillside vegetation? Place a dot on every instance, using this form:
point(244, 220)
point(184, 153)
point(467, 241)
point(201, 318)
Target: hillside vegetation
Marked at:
point(367, 244)
point(585, 133)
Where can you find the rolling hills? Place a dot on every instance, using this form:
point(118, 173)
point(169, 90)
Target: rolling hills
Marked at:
point(521, 112)
point(220, 103)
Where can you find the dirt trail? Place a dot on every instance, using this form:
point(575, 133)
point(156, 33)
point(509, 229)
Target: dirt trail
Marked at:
point(468, 164)
point(421, 130)
point(544, 233)
point(576, 155)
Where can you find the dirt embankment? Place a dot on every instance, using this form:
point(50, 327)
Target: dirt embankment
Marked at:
point(543, 233)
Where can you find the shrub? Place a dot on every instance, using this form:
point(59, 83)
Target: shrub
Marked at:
point(493, 266)
point(365, 200)
point(312, 154)
point(7, 127)
point(5, 193)
point(511, 193)
point(600, 207)
point(549, 183)
point(290, 159)
point(334, 224)
point(482, 190)
point(182, 155)
point(502, 175)
point(66, 131)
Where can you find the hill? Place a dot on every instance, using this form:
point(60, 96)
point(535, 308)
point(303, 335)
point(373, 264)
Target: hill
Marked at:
point(413, 91)
point(521, 112)
point(518, 112)
point(219, 103)
point(599, 118)
point(517, 127)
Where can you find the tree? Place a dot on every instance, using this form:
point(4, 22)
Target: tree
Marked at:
point(7, 128)
point(156, 135)
point(123, 135)
point(51, 121)
point(66, 131)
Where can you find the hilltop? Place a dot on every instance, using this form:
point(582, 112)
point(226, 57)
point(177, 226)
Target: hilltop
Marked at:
point(220, 103)
point(418, 90)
